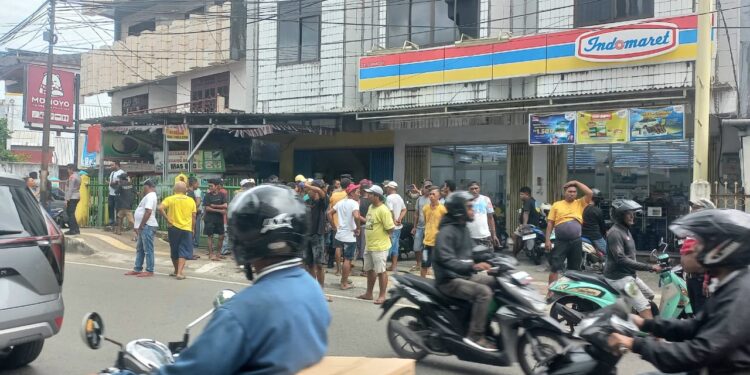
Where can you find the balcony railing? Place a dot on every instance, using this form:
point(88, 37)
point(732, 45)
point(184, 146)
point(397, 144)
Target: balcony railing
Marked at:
point(208, 105)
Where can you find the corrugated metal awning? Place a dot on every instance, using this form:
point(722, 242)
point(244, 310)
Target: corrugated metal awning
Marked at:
point(240, 131)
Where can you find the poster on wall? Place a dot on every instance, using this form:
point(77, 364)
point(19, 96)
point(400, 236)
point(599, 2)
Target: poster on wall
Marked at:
point(552, 129)
point(602, 127)
point(133, 147)
point(657, 124)
point(177, 133)
point(203, 161)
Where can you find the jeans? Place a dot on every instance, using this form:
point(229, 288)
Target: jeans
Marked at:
point(111, 209)
point(145, 248)
point(395, 242)
point(70, 210)
point(197, 232)
point(478, 291)
point(600, 244)
point(419, 239)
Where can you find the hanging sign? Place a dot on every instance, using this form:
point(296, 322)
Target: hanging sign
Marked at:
point(203, 161)
point(657, 124)
point(602, 127)
point(62, 96)
point(177, 133)
point(552, 129)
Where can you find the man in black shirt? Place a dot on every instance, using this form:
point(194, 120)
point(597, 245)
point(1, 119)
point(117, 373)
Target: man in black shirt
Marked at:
point(215, 204)
point(529, 215)
point(314, 253)
point(123, 202)
point(593, 226)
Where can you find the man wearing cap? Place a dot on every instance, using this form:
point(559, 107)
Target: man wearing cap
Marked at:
point(418, 230)
point(347, 229)
point(246, 184)
point(145, 226)
point(379, 227)
point(398, 208)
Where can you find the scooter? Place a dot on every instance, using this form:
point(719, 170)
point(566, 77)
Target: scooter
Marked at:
point(585, 292)
point(143, 356)
point(438, 323)
point(533, 242)
point(593, 259)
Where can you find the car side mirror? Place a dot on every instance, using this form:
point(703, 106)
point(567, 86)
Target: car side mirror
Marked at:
point(92, 330)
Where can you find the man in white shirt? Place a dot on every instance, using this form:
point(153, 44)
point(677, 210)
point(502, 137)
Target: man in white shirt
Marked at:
point(397, 206)
point(114, 178)
point(482, 229)
point(145, 226)
point(347, 231)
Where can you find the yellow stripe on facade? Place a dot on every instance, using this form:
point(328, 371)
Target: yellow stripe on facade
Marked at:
point(421, 79)
point(381, 83)
point(520, 69)
point(570, 64)
point(483, 73)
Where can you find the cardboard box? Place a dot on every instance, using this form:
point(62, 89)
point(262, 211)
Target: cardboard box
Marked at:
point(362, 366)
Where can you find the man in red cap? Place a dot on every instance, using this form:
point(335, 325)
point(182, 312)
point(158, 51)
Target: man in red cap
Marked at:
point(347, 230)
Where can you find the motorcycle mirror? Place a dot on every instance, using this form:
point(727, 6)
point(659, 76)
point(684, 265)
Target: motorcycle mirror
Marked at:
point(652, 256)
point(223, 296)
point(92, 330)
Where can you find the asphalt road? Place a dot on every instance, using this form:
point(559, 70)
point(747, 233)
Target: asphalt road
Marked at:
point(160, 307)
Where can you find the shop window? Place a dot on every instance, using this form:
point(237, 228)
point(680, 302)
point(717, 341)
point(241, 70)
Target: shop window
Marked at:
point(138, 28)
point(205, 90)
point(298, 31)
point(430, 22)
point(136, 103)
point(597, 12)
point(486, 164)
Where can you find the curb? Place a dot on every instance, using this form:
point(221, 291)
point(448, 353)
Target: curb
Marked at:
point(78, 245)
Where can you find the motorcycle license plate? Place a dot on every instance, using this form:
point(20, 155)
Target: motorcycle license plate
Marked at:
point(529, 237)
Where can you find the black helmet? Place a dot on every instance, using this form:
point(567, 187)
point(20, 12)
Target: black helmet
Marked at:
point(620, 207)
point(723, 236)
point(266, 221)
point(597, 197)
point(455, 204)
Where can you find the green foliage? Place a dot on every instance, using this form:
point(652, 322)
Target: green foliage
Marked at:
point(5, 154)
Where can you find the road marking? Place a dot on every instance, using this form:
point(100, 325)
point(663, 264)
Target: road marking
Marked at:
point(207, 267)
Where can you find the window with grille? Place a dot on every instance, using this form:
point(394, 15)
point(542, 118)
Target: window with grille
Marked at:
point(430, 22)
point(597, 12)
point(134, 104)
point(298, 31)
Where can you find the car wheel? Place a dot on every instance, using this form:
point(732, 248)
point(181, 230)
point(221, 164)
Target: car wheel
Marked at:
point(20, 355)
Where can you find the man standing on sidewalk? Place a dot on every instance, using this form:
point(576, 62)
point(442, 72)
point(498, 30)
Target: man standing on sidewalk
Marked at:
point(347, 231)
point(335, 198)
point(433, 213)
point(194, 191)
point(418, 230)
point(482, 229)
point(398, 207)
point(114, 179)
point(124, 203)
point(72, 196)
point(364, 206)
point(145, 226)
point(314, 253)
point(179, 211)
point(379, 227)
point(566, 217)
point(216, 207)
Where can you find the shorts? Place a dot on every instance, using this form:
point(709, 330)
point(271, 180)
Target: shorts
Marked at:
point(315, 251)
point(123, 213)
point(337, 244)
point(350, 250)
point(211, 228)
point(419, 240)
point(180, 243)
point(641, 301)
point(427, 256)
point(375, 261)
point(395, 243)
point(566, 250)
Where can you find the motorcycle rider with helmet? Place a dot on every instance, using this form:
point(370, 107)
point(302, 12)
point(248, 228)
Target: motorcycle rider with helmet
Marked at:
point(696, 278)
point(279, 324)
point(456, 273)
point(716, 340)
point(621, 266)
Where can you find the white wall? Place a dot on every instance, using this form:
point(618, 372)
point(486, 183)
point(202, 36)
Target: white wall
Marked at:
point(237, 83)
point(539, 170)
point(160, 94)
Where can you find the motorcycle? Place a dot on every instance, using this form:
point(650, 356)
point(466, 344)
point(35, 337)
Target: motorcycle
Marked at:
point(585, 292)
point(533, 243)
point(595, 356)
point(143, 356)
point(593, 259)
point(438, 323)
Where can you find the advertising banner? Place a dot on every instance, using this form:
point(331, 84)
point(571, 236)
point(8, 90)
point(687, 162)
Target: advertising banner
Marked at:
point(134, 147)
point(177, 133)
point(203, 161)
point(88, 159)
point(657, 124)
point(602, 127)
point(552, 129)
point(63, 96)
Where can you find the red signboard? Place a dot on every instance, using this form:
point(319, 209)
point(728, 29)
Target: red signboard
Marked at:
point(63, 95)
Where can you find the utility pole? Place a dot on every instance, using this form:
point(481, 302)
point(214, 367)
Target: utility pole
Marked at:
point(701, 187)
point(51, 39)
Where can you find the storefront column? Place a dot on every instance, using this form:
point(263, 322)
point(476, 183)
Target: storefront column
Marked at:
point(519, 175)
point(539, 174)
point(557, 171)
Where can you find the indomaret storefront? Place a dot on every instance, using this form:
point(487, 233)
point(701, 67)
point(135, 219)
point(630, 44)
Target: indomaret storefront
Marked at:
point(609, 106)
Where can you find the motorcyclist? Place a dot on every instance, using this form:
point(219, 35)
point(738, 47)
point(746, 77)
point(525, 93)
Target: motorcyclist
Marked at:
point(456, 273)
point(593, 226)
point(715, 340)
point(279, 324)
point(696, 278)
point(621, 265)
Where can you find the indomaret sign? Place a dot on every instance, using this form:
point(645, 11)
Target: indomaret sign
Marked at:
point(62, 96)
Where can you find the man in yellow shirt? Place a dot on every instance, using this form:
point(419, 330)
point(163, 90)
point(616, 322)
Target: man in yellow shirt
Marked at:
point(378, 230)
point(179, 211)
point(433, 213)
point(566, 217)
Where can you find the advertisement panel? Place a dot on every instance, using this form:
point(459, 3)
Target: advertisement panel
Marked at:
point(657, 124)
point(203, 161)
point(602, 127)
point(62, 96)
point(177, 133)
point(552, 129)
